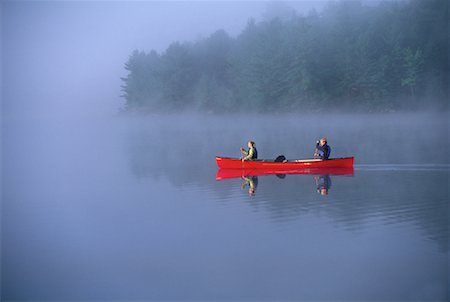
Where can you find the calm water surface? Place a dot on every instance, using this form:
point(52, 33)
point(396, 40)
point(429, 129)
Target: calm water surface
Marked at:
point(130, 208)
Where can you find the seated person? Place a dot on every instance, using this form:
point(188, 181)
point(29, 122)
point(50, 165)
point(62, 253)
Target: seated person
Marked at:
point(323, 151)
point(251, 154)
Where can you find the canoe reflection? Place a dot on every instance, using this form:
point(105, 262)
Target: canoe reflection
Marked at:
point(250, 177)
point(238, 173)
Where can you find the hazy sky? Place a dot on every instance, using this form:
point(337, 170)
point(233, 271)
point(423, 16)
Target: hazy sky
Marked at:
point(71, 54)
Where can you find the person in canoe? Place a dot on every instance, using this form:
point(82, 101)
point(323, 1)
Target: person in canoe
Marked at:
point(322, 151)
point(251, 154)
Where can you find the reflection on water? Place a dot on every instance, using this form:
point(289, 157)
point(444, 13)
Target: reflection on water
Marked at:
point(135, 213)
point(408, 190)
point(356, 203)
point(281, 173)
point(379, 224)
point(323, 183)
point(251, 182)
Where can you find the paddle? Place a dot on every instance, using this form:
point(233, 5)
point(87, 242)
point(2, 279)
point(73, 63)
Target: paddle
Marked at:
point(316, 151)
point(241, 157)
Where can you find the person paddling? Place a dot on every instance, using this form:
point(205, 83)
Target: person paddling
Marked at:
point(251, 154)
point(322, 151)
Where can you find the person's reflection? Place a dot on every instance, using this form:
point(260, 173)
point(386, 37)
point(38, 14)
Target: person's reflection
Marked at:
point(323, 183)
point(251, 182)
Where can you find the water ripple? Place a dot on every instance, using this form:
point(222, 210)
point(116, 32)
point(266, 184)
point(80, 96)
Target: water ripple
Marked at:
point(402, 167)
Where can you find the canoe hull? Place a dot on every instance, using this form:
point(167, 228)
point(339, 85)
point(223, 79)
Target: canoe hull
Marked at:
point(235, 163)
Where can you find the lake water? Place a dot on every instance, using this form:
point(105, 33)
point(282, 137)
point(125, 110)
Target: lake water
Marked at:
point(129, 208)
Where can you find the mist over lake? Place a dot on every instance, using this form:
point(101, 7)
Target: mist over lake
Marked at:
point(110, 189)
point(130, 207)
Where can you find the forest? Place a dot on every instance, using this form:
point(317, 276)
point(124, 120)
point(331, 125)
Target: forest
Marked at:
point(387, 57)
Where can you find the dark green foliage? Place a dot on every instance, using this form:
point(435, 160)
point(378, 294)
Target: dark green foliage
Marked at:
point(378, 58)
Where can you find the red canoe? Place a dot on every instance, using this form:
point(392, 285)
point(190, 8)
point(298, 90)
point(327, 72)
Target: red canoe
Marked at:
point(238, 173)
point(235, 163)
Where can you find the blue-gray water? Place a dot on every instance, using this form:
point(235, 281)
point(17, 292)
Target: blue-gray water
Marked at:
point(128, 208)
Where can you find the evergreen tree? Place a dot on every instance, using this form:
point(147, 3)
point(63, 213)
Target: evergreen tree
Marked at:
point(347, 56)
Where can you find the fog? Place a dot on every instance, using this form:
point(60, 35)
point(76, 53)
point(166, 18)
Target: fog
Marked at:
point(130, 209)
point(102, 202)
point(69, 56)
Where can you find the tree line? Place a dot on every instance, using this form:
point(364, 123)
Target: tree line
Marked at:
point(391, 56)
